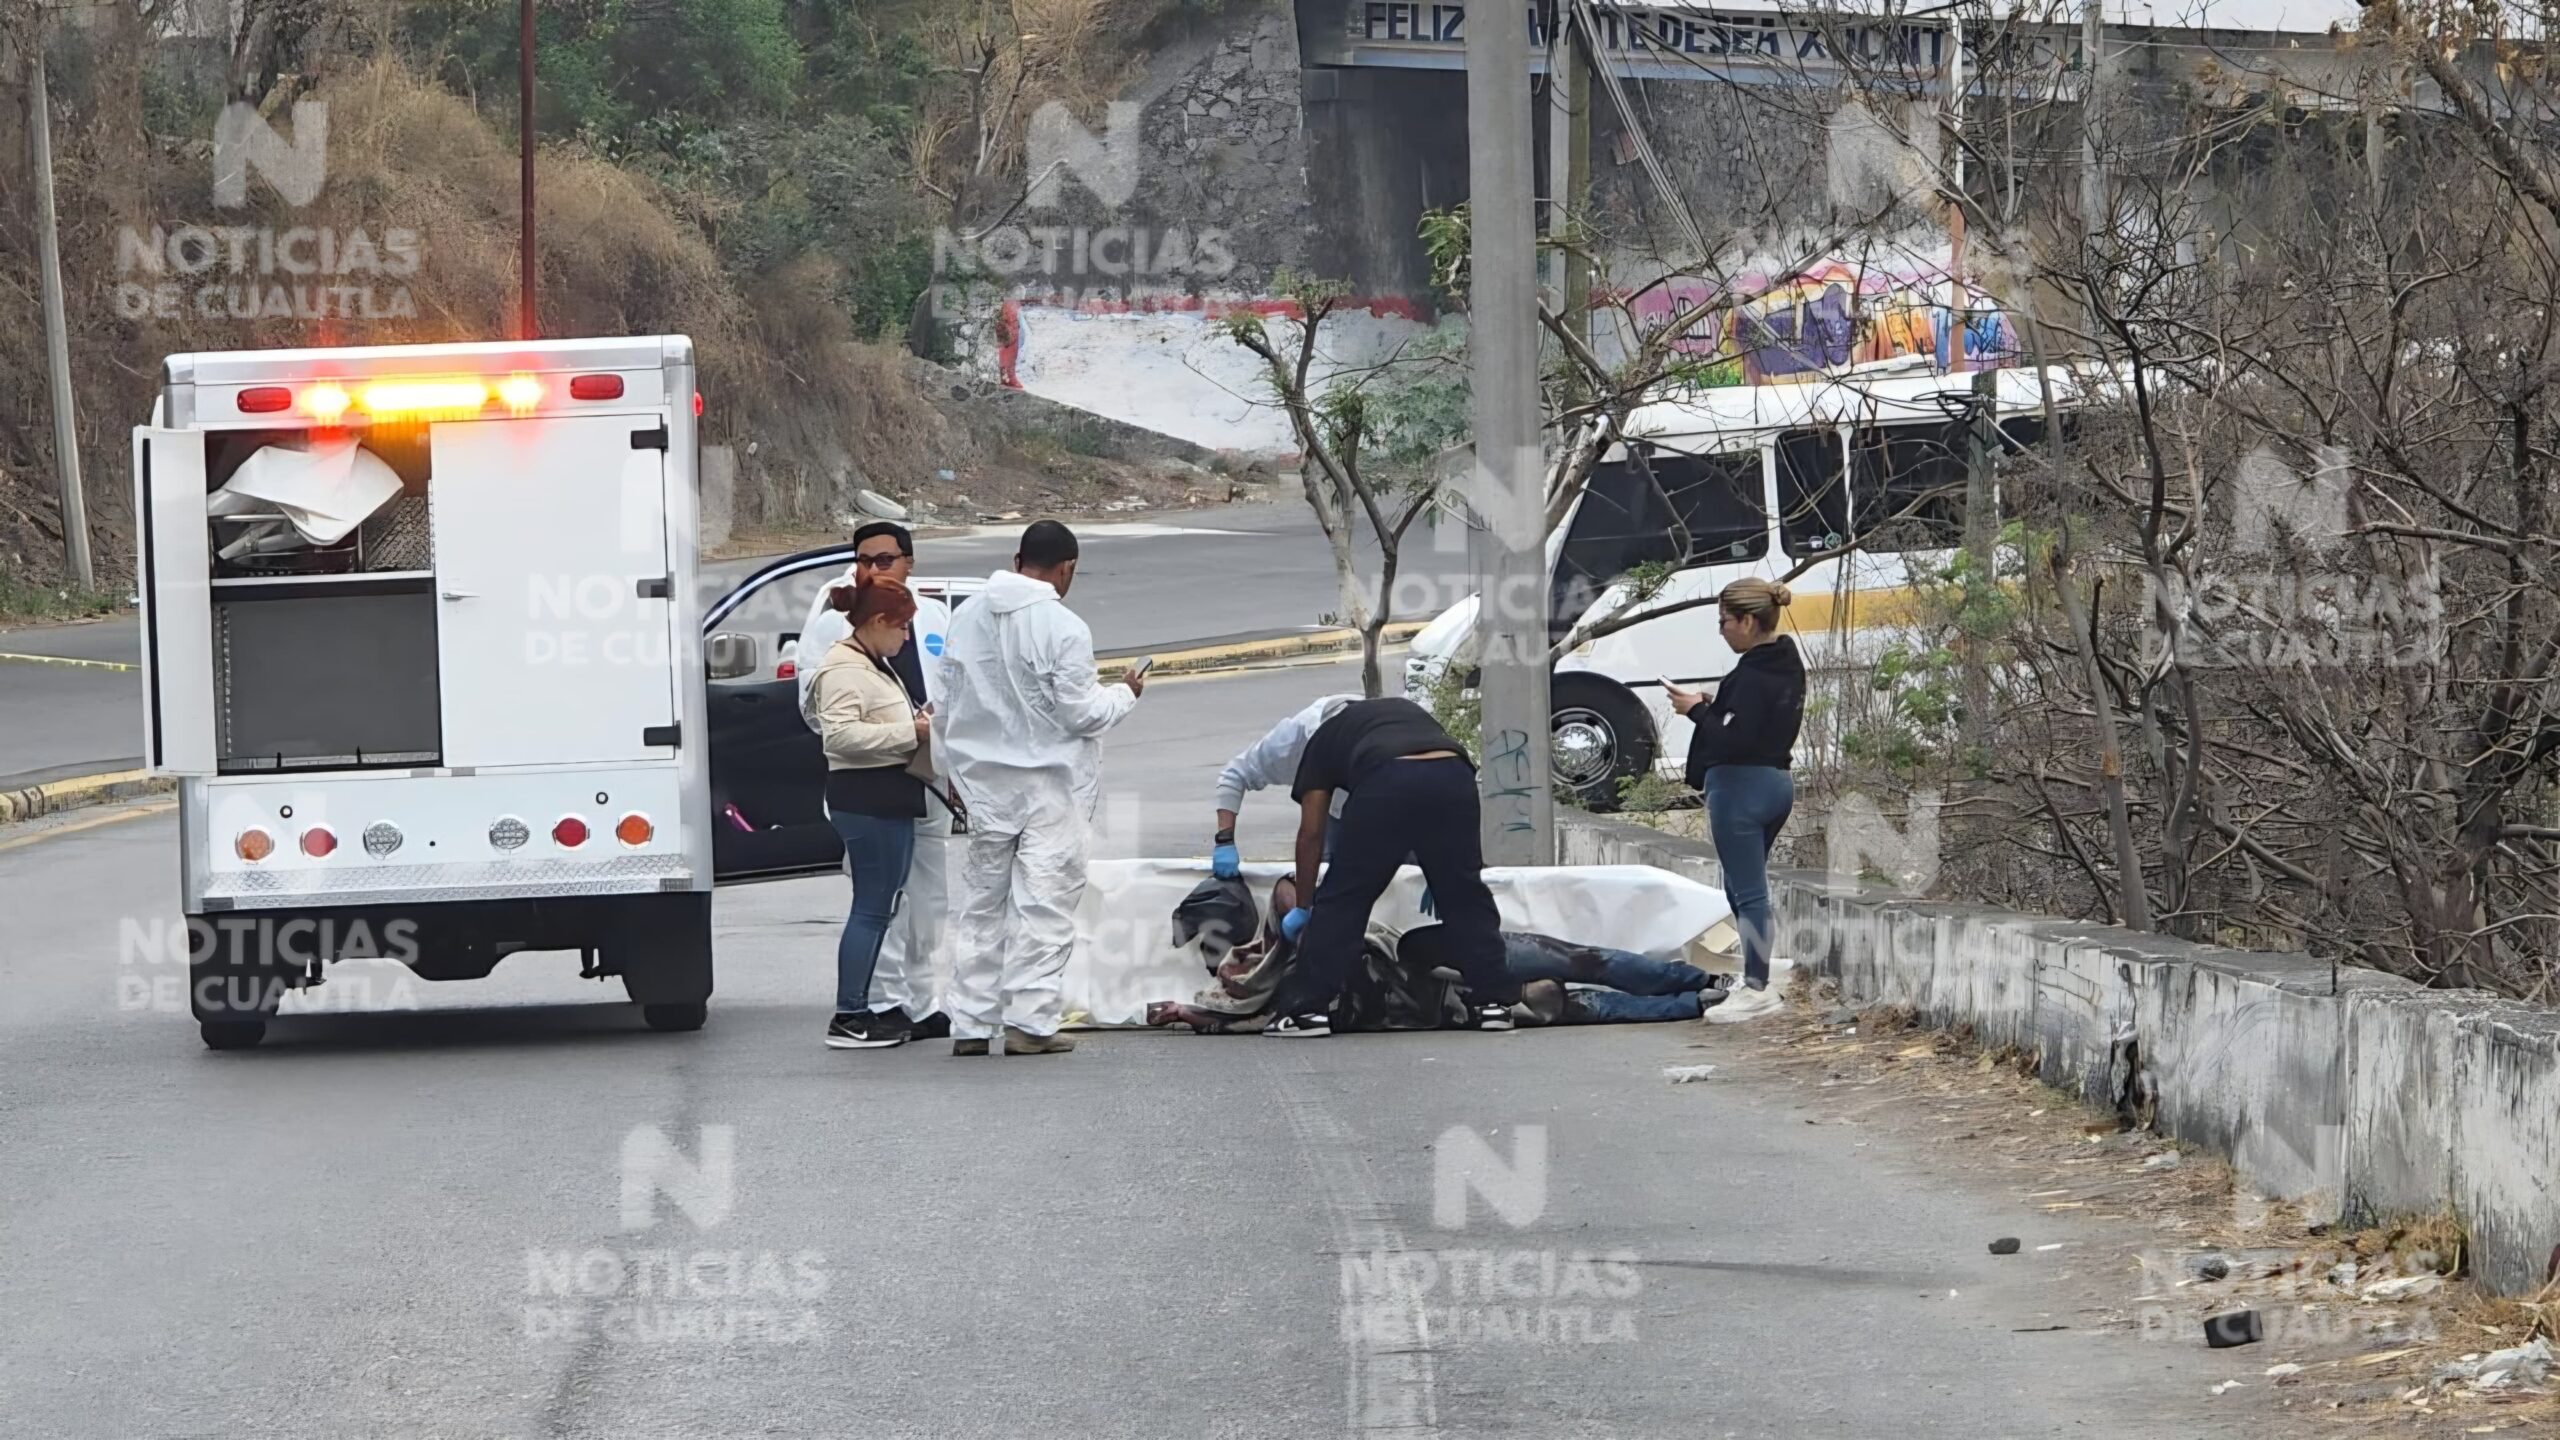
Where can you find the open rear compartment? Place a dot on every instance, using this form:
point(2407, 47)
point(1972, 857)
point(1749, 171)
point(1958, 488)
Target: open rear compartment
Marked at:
point(324, 645)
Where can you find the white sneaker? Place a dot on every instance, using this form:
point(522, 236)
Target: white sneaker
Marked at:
point(1744, 1005)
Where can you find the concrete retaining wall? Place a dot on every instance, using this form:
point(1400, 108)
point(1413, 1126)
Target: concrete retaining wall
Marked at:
point(2356, 1092)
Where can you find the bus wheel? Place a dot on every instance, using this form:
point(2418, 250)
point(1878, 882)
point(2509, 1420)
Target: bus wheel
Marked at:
point(1602, 736)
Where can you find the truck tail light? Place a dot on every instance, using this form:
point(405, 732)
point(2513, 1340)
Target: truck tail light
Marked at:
point(326, 403)
point(381, 838)
point(595, 387)
point(253, 845)
point(570, 833)
point(319, 843)
point(787, 670)
point(508, 833)
point(635, 831)
point(265, 400)
point(520, 393)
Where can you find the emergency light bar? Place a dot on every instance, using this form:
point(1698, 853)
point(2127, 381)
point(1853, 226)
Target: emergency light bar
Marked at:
point(452, 398)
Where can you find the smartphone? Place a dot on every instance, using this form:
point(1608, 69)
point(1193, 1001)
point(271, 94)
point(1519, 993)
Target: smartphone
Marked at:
point(1139, 670)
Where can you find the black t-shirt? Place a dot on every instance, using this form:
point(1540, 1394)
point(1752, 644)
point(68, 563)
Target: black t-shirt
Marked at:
point(1362, 736)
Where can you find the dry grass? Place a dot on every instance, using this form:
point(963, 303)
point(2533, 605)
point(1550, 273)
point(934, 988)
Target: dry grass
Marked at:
point(2366, 1366)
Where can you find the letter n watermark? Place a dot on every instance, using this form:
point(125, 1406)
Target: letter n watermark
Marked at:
point(243, 141)
point(653, 1166)
point(1516, 1188)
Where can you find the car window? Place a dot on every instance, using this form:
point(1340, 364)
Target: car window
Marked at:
point(1813, 503)
point(1906, 486)
point(1642, 509)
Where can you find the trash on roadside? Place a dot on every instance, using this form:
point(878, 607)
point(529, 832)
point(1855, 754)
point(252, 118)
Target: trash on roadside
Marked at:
point(2287, 1368)
point(2165, 1160)
point(2525, 1364)
point(2407, 1287)
point(1686, 1074)
point(2210, 1267)
point(2005, 1245)
point(2237, 1327)
point(2226, 1385)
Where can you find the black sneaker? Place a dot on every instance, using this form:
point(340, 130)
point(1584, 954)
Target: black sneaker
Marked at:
point(936, 1026)
point(866, 1030)
point(1492, 1017)
point(1301, 1027)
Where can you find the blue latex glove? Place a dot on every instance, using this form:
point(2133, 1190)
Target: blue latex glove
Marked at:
point(1294, 922)
point(1225, 863)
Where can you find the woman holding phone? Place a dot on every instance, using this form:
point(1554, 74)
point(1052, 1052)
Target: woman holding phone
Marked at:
point(1741, 750)
point(876, 743)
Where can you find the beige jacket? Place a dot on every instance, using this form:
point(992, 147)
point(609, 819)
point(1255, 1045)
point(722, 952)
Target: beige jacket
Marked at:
point(864, 718)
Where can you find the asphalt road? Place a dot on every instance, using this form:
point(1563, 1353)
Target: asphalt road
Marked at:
point(1154, 582)
point(415, 1221)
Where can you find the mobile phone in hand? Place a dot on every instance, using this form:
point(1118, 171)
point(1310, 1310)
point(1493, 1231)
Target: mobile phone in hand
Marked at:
point(1139, 670)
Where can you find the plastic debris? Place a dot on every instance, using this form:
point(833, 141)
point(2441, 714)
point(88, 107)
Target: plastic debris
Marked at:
point(2287, 1368)
point(2210, 1267)
point(1687, 1074)
point(2524, 1364)
point(2237, 1327)
point(2226, 1385)
point(2005, 1245)
point(2165, 1160)
point(2407, 1287)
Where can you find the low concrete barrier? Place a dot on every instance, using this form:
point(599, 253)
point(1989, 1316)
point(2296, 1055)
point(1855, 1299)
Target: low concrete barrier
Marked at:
point(2357, 1091)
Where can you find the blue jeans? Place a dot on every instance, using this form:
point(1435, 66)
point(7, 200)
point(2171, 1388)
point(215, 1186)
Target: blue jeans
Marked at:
point(1747, 806)
point(1607, 987)
point(880, 850)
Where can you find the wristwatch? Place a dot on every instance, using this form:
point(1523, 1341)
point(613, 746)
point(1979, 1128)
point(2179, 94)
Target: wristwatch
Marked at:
point(1223, 837)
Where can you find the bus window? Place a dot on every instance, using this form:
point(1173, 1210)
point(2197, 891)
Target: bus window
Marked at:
point(1716, 498)
point(1621, 523)
point(1813, 506)
point(1907, 485)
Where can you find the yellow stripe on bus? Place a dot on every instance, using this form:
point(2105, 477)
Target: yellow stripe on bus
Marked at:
point(1855, 610)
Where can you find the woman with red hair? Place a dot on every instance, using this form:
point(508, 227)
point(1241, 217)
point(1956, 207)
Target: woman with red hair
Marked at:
point(876, 744)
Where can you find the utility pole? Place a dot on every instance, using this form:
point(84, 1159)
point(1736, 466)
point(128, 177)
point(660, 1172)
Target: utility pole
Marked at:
point(57, 338)
point(1957, 307)
point(1570, 97)
point(528, 326)
point(1515, 771)
point(2093, 178)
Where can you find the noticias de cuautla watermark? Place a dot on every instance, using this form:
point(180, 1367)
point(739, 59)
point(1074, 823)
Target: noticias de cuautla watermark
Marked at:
point(218, 270)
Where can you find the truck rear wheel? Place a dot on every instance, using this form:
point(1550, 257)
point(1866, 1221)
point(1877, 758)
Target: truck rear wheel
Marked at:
point(231, 1034)
point(675, 1018)
point(233, 986)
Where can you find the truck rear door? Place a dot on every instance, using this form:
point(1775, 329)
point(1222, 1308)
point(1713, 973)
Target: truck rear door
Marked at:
point(176, 586)
point(555, 623)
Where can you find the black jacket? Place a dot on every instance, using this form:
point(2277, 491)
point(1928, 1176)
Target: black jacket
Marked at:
point(1755, 715)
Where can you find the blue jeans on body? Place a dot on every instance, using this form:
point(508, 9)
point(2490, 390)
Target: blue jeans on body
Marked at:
point(1747, 805)
point(880, 849)
point(1609, 987)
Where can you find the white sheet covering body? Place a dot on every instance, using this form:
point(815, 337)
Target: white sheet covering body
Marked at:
point(1125, 957)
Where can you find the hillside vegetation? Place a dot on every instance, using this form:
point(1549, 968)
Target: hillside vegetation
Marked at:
point(763, 175)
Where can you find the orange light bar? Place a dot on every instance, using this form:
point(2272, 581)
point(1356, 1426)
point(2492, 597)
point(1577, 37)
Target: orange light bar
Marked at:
point(424, 397)
point(326, 403)
point(520, 393)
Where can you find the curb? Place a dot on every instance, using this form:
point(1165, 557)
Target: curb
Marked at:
point(1209, 658)
point(72, 794)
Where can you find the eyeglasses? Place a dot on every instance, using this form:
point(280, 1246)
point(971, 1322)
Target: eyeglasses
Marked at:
point(884, 559)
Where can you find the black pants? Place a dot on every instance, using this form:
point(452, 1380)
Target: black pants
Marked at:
point(1425, 809)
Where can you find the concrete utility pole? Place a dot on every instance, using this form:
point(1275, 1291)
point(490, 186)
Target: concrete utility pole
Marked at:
point(1570, 95)
point(1516, 768)
point(57, 339)
point(2093, 177)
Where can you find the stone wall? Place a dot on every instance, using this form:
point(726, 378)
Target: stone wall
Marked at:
point(2325, 1083)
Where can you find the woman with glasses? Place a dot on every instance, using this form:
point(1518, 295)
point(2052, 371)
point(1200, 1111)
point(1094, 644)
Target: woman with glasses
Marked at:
point(1741, 750)
point(878, 745)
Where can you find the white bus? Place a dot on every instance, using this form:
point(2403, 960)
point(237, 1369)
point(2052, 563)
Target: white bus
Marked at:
point(1739, 481)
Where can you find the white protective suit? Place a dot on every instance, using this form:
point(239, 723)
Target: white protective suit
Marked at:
point(1019, 728)
point(909, 976)
point(1273, 759)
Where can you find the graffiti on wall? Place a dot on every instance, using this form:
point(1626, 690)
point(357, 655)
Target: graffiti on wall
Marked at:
point(1822, 318)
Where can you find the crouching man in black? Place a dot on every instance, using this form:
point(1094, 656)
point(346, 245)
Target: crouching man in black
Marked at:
point(1412, 794)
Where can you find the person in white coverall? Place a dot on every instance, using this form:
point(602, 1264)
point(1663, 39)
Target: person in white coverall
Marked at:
point(1271, 760)
point(908, 979)
point(1020, 728)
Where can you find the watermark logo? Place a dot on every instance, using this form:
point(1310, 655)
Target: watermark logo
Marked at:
point(670, 1294)
point(1489, 1296)
point(244, 141)
point(1862, 846)
point(272, 961)
point(2293, 592)
point(1059, 146)
point(1078, 266)
point(222, 271)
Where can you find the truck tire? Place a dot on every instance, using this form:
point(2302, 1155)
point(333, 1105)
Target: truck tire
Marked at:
point(1603, 735)
point(675, 1018)
point(661, 946)
point(232, 988)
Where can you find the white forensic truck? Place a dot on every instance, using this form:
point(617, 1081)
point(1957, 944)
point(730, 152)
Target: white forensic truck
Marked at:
point(424, 656)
